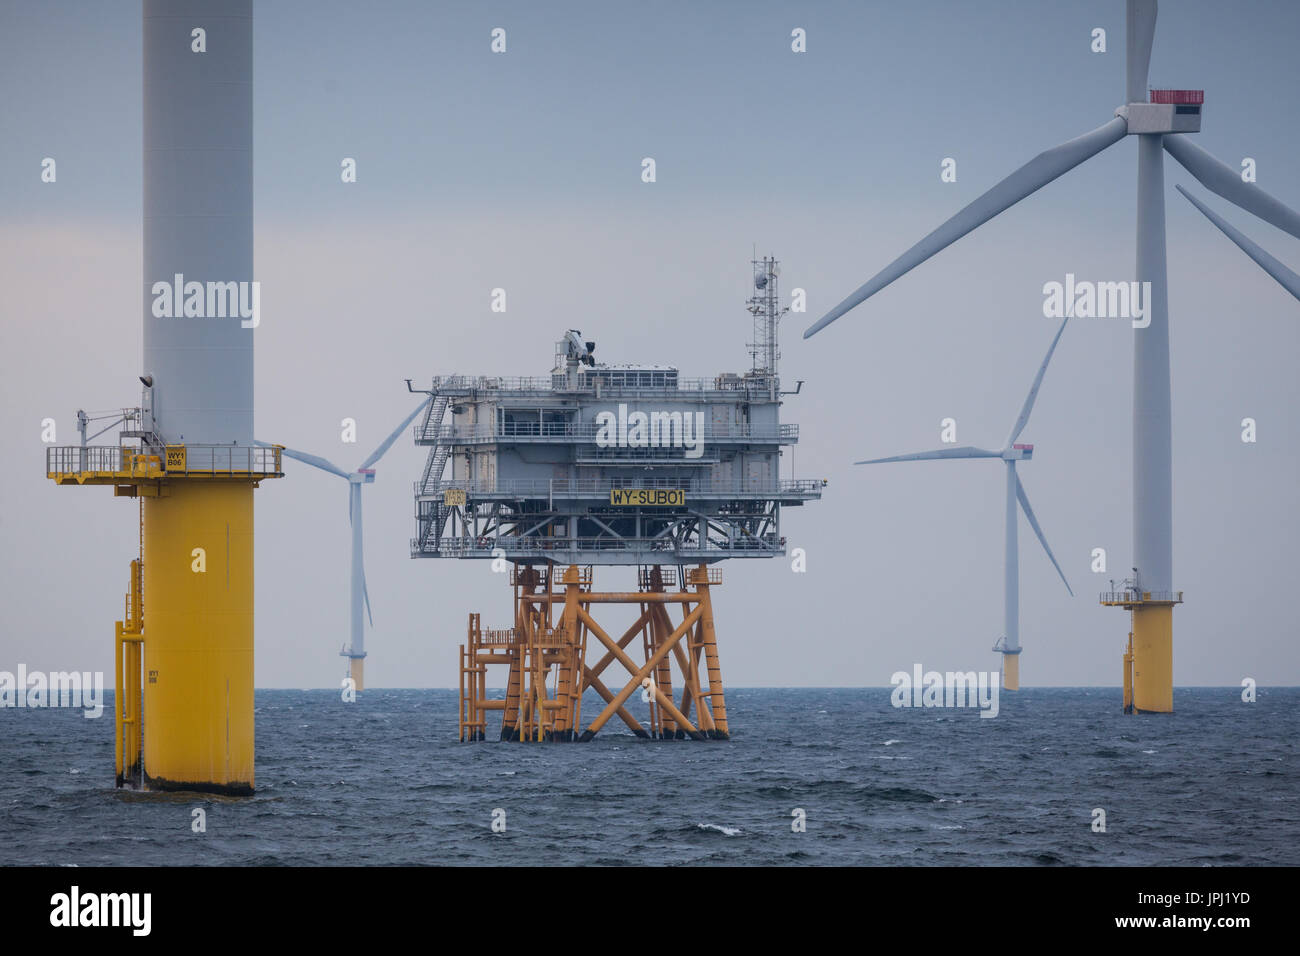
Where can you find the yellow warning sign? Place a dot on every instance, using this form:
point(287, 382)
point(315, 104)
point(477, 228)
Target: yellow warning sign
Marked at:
point(454, 496)
point(175, 458)
point(648, 497)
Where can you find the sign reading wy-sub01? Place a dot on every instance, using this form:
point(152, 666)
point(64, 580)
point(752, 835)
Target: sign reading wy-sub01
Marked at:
point(648, 497)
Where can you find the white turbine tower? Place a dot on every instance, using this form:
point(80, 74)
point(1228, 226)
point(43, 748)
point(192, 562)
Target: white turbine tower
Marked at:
point(355, 651)
point(1011, 452)
point(1159, 122)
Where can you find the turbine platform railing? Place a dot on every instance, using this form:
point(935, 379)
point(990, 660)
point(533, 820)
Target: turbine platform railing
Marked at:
point(114, 463)
point(1133, 597)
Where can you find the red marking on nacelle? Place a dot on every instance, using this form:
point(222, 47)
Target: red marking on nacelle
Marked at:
point(1182, 97)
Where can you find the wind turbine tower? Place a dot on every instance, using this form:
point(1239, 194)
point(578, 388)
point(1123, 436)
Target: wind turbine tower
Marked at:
point(184, 652)
point(1010, 453)
point(1161, 120)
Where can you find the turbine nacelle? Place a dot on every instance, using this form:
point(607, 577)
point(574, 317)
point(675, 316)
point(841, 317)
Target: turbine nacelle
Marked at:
point(362, 476)
point(1168, 111)
point(1018, 452)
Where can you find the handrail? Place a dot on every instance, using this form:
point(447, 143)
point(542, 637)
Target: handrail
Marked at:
point(450, 384)
point(587, 487)
point(590, 431)
point(1141, 596)
point(515, 545)
point(195, 460)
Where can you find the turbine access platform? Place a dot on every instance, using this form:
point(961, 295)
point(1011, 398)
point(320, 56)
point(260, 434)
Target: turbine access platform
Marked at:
point(611, 465)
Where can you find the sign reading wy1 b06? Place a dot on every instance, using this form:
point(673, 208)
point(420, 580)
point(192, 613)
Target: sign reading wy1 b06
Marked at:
point(648, 497)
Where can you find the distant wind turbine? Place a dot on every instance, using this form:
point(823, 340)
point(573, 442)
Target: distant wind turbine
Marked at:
point(364, 475)
point(1012, 452)
point(1160, 122)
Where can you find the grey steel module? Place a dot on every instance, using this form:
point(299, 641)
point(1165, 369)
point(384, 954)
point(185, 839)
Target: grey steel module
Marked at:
point(625, 464)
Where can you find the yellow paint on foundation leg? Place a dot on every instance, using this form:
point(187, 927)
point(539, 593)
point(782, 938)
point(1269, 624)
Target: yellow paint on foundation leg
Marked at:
point(1153, 659)
point(1011, 672)
point(198, 650)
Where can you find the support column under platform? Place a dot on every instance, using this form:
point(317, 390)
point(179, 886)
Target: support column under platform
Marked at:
point(357, 671)
point(1011, 670)
point(198, 646)
point(1153, 659)
point(547, 668)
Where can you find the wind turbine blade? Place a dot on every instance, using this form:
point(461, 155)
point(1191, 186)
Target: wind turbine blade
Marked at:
point(378, 453)
point(1285, 277)
point(1032, 176)
point(1042, 539)
point(1033, 389)
point(965, 451)
point(313, 460)
point(1222, 179)
point(1140, 34)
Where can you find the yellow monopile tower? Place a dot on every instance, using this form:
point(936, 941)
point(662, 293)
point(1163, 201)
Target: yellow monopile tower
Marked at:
point(1149, 656)
point(184, 700)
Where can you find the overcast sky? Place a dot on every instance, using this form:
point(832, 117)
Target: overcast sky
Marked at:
point(522, 171)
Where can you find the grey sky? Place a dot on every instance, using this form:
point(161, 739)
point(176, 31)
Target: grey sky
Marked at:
point(522, 171)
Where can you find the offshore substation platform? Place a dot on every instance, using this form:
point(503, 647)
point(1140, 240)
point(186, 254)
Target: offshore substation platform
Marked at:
point(610, 465)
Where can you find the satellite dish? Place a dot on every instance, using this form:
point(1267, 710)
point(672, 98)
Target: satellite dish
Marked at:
point(760, 281)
